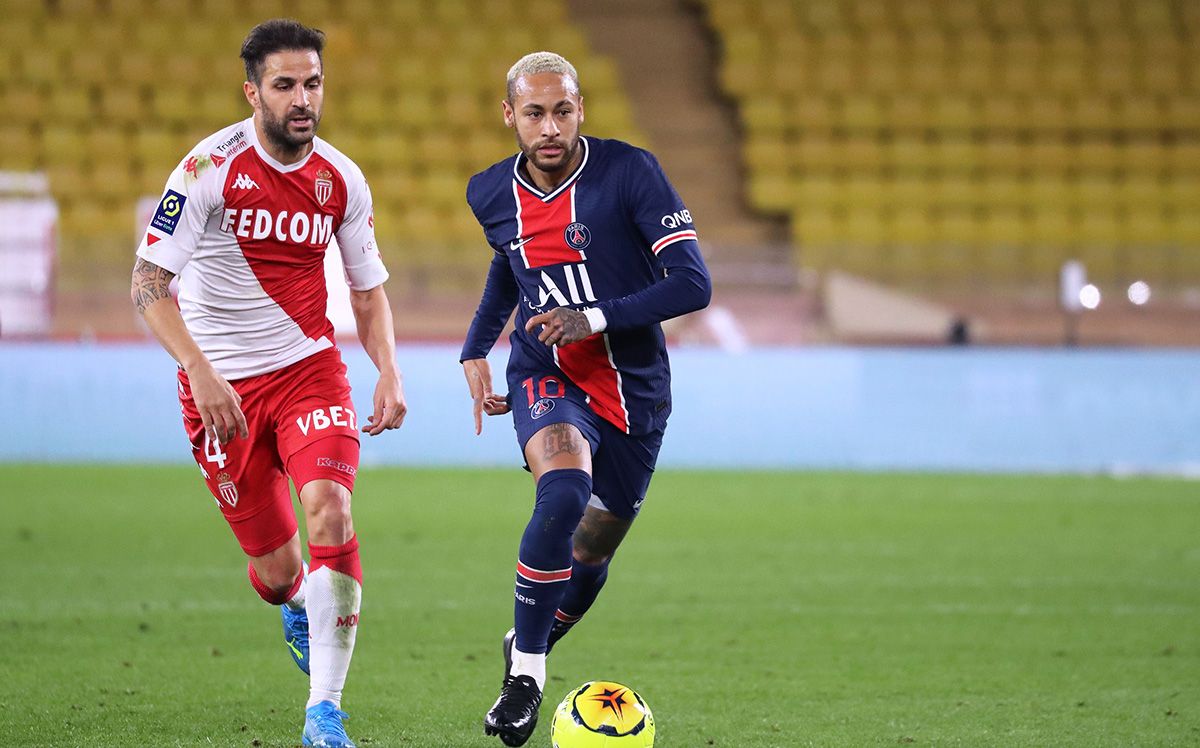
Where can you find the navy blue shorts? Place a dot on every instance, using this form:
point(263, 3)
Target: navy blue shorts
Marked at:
point(621, 464)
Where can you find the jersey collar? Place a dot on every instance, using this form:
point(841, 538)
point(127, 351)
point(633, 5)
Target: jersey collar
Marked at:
point(269, 159)
point(548, 196)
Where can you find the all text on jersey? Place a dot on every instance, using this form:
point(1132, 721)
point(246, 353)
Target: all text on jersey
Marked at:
point(577, 282)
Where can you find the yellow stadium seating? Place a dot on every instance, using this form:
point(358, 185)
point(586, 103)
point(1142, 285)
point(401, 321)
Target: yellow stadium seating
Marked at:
point(109, 95)
point(969, 128)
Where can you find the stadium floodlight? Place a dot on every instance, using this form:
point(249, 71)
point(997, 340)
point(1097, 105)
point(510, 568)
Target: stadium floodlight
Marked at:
point(1089, 296)
point(1139, 293)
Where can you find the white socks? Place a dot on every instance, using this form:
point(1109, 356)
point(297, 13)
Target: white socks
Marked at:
point(333, 604)
point(533, 665)
point(297, 600)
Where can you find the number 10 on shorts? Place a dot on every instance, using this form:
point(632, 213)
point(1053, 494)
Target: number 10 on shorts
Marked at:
point(542, 387)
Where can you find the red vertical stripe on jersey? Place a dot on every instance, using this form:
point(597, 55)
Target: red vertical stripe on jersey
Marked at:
point(292, 274)
point(545, 226)
point(588, 366)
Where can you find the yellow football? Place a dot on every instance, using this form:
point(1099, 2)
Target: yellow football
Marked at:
point(602, 714)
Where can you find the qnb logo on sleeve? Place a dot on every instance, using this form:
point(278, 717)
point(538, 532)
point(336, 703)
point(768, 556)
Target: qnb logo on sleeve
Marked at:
point(677, 219)
point(166, 216)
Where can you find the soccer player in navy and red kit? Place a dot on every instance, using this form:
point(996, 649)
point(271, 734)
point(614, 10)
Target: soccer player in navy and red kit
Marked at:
point(594, 248)
point(244, 223)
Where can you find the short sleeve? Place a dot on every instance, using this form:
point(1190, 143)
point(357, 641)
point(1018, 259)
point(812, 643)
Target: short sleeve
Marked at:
point(181, 216)
point(659, 212)
point(356, 237)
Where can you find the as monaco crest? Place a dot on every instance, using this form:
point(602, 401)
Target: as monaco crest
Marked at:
point(227, 489)
point(324, 185)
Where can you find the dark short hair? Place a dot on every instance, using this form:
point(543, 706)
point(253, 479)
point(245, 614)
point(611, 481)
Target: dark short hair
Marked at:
point(276, 35)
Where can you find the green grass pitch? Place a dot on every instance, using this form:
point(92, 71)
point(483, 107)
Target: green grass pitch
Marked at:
point(750, 609)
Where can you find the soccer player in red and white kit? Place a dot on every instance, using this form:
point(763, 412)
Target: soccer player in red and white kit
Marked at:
point(244, 223)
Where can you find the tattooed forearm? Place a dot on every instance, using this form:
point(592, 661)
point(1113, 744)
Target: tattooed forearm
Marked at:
point(150, 283)
point(562, 438)
point(574, 324)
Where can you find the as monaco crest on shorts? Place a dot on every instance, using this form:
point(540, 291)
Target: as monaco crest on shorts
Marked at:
point(324, 186)
point(227, 488)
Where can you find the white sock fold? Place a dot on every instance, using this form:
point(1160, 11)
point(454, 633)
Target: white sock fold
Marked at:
point(533, 665)
point(297, 600)
point(333, 605)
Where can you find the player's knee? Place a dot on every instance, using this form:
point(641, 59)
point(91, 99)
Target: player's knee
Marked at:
point(589, 556)
point(327, 511)
point(561, 498)
point(276, 572)
point(562, 495)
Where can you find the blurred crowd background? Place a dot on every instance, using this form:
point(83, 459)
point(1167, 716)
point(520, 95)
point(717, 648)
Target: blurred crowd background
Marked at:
point(859, 170)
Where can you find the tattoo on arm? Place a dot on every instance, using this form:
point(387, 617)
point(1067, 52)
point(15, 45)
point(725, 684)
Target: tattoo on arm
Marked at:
point(150, 283)
point(561, 438)
point(575, 324)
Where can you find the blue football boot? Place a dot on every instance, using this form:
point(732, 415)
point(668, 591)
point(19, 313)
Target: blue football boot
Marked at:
point(295, 635)
point(323, 727)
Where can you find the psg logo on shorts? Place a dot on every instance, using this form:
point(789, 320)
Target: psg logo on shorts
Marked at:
point(578, 236)
point(541, 408)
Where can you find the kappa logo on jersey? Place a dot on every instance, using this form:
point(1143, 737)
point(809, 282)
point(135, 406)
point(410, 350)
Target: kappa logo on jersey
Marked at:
point(578, 236)
point(244, 182)
point(324, 186)
point(298, 228)
point(541, 408)
point(166, 216)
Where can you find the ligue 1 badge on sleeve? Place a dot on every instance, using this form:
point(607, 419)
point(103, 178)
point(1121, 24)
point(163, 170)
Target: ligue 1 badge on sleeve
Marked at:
point(324, 186)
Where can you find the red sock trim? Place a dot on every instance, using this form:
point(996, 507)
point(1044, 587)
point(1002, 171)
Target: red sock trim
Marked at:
point(266, 593)
point(343, 558)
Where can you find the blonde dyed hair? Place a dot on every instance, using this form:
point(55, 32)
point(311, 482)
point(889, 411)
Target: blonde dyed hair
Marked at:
point(540, 62)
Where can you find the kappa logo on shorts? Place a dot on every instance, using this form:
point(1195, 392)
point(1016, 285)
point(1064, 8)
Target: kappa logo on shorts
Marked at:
point(227, 489)
point(338, 465)
point(541, 408)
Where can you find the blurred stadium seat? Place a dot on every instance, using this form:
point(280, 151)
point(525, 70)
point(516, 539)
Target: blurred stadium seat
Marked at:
point(981, 140)
point(107, 96)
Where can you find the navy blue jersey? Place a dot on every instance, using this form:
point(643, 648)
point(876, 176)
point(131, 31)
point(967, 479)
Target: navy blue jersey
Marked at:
point(615, 236)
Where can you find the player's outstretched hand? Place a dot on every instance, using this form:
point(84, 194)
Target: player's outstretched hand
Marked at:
point(479, 378)
point(390, 407)
point(220, 406)
point(560, 326)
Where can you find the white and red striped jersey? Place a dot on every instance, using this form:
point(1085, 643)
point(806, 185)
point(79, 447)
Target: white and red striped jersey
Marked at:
point(247, 237)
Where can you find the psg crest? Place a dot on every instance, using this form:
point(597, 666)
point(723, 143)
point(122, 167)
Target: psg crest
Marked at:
point(541, 408)
point(324, 185)
point(578, 236)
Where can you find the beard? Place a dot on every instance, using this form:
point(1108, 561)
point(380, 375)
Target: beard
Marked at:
point(276, 129)
point(549, 164)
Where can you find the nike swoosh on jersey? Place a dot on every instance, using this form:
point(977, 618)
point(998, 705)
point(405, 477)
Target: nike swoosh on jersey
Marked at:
point(515, 245)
